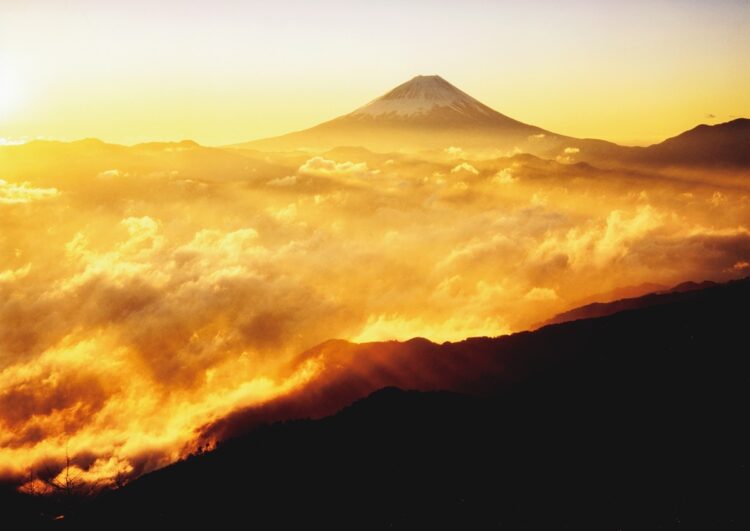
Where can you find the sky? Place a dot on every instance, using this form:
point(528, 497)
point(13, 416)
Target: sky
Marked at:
point(227, 71)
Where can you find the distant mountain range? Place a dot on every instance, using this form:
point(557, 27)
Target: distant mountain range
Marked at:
point(424, 114)
point(630, 421)
point(428, 113)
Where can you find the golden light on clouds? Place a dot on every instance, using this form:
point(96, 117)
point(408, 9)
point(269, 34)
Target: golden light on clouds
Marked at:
point(11, 193)
point(148, 291)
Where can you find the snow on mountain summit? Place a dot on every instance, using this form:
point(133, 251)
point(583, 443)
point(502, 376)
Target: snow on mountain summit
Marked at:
point(420, 96)
point(426, 112)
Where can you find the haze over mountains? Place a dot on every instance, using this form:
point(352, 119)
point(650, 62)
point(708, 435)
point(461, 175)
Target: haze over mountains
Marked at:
point(431, 116)
point(428, 113)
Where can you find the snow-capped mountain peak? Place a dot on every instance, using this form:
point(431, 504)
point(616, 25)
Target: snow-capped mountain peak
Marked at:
point(420, 96)
point(426, 112)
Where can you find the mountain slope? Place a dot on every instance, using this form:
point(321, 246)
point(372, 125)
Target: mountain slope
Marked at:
point(40, 162)
point(628, 421)
point(432, 101)
point(475, 366)
point(655, 295)
point(426, 113)
point(726, 144)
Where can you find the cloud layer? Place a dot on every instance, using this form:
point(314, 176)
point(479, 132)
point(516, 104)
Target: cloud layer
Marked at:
point(139, 304)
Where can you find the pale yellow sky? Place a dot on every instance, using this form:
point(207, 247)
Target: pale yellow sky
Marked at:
point(226, 71)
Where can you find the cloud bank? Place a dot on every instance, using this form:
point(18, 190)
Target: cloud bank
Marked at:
point(135, 310)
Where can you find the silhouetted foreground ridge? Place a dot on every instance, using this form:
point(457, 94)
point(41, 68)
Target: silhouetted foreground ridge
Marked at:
point(632, 421)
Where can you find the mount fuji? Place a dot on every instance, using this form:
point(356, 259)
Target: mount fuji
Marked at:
point(432, 101)
point(428, 113)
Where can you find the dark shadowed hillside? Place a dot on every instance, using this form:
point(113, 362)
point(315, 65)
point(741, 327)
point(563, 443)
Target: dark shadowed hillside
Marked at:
point(631, 421)
point(726, 144)
point(658, 295)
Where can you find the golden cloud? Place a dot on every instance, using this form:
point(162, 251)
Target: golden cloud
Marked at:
point(289, 180)
point(541, 294)
point(465, 167)
point(504, 176)
point(14, 194)
point(322, 167)
point(165, 301)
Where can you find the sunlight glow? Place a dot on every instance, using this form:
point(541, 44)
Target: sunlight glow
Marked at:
point(11, 95)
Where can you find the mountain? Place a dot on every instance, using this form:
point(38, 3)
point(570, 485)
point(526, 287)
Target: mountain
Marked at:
point(427, 113)
point(433, 102)
point(726, 144)
point(623, 292)
point(39, 162)
point(629, 300)
point(473, 366)
point(630, 421)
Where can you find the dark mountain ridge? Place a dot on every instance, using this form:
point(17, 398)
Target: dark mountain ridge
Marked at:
point(721, 145)
point(602, 309)
point(630, 421)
